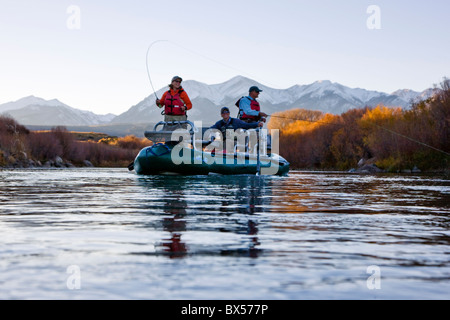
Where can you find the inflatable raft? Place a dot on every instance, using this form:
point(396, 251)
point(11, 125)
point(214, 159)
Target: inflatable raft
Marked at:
point(196, 157)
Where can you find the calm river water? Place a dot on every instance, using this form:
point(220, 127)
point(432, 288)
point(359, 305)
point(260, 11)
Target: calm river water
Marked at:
point(110, 234)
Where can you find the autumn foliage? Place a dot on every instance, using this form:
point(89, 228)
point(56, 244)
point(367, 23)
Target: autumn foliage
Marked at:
point(392, 138)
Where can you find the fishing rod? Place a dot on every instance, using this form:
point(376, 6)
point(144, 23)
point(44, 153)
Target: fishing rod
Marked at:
point(295, 119)
point(146, 61)
point(307, 120)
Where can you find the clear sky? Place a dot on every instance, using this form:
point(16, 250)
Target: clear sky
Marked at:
point(93, 57)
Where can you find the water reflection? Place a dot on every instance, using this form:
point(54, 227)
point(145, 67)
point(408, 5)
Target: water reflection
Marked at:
point(359, 194)
point(215, 205)
point(308, 235)
point(174, 222)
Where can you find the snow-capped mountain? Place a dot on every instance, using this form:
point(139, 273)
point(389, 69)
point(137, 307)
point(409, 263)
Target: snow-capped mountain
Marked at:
point(323, 95)
point(207, 100)
point(37, 111)
point(410, 95)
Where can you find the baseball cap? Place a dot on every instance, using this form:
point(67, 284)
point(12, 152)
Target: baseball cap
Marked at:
point(177, 78)
point(224, 109)
point(254, 88)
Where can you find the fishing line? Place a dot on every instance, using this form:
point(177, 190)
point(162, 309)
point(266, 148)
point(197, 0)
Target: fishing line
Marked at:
point(241, 72)
point(381, 127)
point(411, 139)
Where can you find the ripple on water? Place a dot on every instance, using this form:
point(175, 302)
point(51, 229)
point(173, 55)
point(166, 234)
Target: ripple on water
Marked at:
point(308, 235)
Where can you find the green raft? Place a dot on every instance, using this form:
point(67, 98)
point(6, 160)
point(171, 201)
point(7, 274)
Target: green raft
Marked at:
point(173, 157)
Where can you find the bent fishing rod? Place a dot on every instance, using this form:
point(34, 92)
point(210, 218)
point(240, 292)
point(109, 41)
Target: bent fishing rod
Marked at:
point(146, 61)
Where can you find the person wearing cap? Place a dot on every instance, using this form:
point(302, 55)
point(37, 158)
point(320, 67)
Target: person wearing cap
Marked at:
point(249, 108)
point(175, 101)
point(232, 123)
point(228, 122)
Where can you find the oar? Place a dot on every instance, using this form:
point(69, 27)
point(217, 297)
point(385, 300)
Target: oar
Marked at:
point(258, 162)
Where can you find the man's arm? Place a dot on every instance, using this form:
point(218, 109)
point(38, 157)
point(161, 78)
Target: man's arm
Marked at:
point(239, 124)
point(216, 125)
point(186, 100)
point(160, 102)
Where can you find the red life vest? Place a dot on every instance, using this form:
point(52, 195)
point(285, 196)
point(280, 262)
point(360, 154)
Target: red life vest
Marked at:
point(254, 105)
point(173, 104)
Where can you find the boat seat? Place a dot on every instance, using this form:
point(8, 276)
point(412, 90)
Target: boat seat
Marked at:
point(165, 134)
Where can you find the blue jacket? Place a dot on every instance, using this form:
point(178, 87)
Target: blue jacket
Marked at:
point(235, 124)
point(245, 106)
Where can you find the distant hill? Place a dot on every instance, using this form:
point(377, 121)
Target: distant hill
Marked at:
point(37, 111)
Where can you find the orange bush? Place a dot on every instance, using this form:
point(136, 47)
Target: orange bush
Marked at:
point(294, 121)
point(417, 136)
point(133, 142)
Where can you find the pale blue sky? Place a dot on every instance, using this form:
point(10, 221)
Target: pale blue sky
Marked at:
point(101, 66)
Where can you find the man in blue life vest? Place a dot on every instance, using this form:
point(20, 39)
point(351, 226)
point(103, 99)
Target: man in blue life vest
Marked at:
point(249, 108)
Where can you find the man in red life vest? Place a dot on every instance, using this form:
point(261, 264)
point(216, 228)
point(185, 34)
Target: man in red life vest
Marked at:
point(249, 108)
point(175, 102)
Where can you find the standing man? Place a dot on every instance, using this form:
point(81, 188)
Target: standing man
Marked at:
point(175, 102)
point(249, 108)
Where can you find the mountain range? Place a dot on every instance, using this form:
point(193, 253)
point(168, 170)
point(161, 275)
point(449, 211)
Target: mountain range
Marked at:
point(37, 111)
point(207, 100)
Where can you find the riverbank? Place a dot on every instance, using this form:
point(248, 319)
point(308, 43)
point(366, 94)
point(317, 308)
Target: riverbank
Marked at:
point(58, 162)
point(22, 148)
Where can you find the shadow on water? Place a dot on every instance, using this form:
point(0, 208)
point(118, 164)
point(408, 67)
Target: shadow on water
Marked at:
point(213, 206)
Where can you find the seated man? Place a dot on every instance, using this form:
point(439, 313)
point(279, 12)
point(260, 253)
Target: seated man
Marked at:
point(232, 123)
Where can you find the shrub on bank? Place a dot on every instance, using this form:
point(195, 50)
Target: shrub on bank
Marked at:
point(12, 141)
point(133, 143)
point(21, 148)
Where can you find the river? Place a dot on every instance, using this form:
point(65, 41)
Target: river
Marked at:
point(109, 234)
